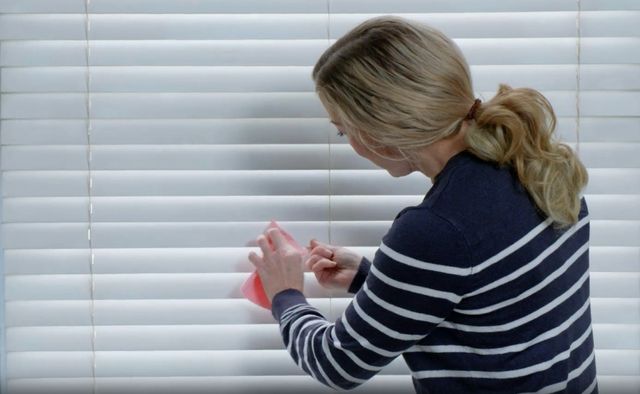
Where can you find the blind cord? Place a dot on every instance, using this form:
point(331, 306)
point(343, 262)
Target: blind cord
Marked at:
point(578, 60)
point(329, 159)
point(89, 188)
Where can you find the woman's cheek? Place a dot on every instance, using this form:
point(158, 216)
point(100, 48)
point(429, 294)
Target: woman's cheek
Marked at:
point(357, 147)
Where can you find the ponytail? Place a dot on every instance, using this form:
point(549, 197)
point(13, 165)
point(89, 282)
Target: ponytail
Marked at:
point(516, 128)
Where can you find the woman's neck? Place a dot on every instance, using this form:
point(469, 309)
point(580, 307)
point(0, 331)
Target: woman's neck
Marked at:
point(431, 159)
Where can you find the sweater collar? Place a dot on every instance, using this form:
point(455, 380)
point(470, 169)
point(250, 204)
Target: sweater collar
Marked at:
point(453, 162)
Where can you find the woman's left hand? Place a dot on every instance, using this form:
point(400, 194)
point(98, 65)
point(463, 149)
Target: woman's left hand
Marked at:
point(279, 269)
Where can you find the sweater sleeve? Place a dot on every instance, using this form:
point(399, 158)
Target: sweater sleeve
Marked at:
point(361, 275)
point(419, 274)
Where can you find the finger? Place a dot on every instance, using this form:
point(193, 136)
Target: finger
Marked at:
point(276, 237)
point(312, 260)
point(314, 242)
point(264, 245)
point(322, 251)
point(322, 265)
point(255, 259)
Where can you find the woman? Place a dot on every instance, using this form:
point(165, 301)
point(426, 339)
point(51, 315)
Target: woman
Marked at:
point(483, 287)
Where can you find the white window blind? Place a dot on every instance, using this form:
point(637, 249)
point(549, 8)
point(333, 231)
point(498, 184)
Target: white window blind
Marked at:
point(175, 130)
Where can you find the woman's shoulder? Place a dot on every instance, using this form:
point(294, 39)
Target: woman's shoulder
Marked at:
point(484, 200)
point(424, 235)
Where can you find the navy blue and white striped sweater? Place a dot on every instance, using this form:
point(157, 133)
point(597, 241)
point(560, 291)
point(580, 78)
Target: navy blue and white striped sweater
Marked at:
point(473, 287)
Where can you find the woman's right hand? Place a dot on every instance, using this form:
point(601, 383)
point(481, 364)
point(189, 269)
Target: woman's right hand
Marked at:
point(334, 266)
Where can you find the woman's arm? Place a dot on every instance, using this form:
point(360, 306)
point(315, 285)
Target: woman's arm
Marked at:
point(418, 276)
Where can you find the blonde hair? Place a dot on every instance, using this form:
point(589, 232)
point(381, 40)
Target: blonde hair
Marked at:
point(406, 85)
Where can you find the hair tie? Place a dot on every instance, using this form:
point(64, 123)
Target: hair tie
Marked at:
point(472, 111)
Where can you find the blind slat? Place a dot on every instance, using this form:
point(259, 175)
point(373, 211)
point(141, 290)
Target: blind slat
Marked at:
point(622, 311)
point(222, 363)
point(249, 131)
point(256, 104)
point(231, 259)
point(199, 384)
point(381, 384)
point(170, 363)
point(302, 52)
point(219, 285)
point(223, 337)
point(269, 157)
point(246, 208)
point(289, 79)
point(307, 26)
point(624, 181)
point(211, 234)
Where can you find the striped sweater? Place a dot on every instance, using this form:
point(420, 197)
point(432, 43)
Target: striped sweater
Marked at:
point(473, 287)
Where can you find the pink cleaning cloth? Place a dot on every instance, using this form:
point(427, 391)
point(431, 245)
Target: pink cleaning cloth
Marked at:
point(252, 288)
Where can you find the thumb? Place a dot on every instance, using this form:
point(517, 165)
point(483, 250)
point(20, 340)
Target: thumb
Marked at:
point(314, 242)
